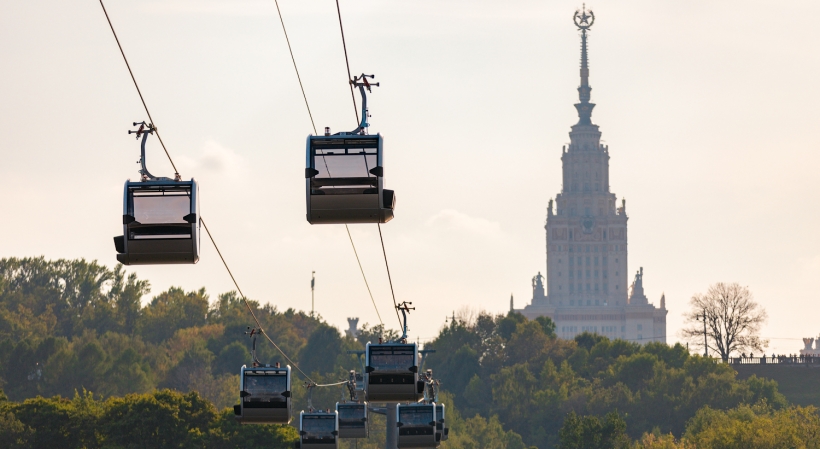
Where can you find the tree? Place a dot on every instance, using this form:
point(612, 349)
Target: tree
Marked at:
point(733, 320)
point(591, 432)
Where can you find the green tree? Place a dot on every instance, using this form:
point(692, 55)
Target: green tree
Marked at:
point(591, 432)
point(173, 310)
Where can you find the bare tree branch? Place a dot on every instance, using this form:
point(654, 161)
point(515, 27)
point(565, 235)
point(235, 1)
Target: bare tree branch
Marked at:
point(733, 320)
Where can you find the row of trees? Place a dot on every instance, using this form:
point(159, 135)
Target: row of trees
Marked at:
point(68, 326)
point(518, 370)
point(758, 426)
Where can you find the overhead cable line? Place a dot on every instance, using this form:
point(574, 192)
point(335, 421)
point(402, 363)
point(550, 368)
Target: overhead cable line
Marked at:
point(347, 62)
point(388, 275)
point(296, 69)
point(247, 304)
point(292, 58)
point(387, 266)
point(244, 299)
point(363, 276)
point(355, 109)
point(151, 120)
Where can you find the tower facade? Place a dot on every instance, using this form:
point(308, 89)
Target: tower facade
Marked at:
point(586, 235)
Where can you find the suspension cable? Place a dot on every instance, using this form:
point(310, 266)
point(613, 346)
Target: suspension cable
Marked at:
point(363, 276)
point(247, 304)
point(258, 324)
point(292, 58)
point(355, 109)
point(347, 61)
point(388, 277)
point(156, 131)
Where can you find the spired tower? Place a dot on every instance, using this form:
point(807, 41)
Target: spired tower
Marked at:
point(587, 239)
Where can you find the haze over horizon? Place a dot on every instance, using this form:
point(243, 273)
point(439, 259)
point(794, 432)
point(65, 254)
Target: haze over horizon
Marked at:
point(707, 109)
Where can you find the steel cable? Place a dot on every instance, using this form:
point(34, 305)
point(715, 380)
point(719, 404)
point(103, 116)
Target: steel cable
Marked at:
point(247, 304)
point(138, 88)
point(347, 62)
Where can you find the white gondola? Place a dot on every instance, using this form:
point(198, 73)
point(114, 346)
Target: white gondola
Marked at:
point(318, 430)
point(265, 396)
point(416, 425)
point(160, 218)
point(442, 432)
point(345, 174)
point(353, 422)
point(391, 372)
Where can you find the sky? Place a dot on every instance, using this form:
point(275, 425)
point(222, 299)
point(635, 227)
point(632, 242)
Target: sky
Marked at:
point(708, 108)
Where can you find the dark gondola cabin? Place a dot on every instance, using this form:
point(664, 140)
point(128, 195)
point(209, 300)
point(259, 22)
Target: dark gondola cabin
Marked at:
point(345, 180)
point(352, 419)
point(417, 425)
point(264, 395)
point(391, 372)
point(160, 223)
point(318, 430)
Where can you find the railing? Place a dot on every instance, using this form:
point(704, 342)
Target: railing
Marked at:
point(776, 360)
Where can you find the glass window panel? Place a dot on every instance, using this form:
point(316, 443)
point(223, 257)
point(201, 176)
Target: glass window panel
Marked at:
point(318, 426)
point(265, 387)
point(351, 165)
point(416, 416)
point(392, 359)
point(158, 209)
point(351, 412)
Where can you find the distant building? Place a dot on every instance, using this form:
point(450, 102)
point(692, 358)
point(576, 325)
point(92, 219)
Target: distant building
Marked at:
point(808, 350)
point(586, 283)
point(353, 327)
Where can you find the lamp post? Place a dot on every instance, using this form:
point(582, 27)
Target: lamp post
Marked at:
point(312, 285)
point(705, 339)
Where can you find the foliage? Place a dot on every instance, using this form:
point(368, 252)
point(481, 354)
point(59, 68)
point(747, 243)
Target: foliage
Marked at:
point(758, 427)
point(591, 432)
point(162, 419)
point(733, 320)
point(72, 325)
point(518, 370)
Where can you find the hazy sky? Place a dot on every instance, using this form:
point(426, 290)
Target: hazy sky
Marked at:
point(709, 109)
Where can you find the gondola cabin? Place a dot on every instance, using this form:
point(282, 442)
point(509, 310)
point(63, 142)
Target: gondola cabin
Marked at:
point(352, 419)
point(318, 430)
point(360, 387)
point(442, 432)
point(391, 372)
point(345, 180)
point(160, 223)
point(264, 395)
point(417, 425)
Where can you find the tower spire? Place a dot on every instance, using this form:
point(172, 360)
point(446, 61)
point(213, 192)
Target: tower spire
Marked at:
point(584, 19)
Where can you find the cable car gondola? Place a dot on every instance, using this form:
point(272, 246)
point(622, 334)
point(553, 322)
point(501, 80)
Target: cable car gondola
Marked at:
point(391, 372)
point(160, 218)
point(318, 430)
point(442, 432)
point(265, 395)
point(417, 425)
point(353, 421)
point(345, 174)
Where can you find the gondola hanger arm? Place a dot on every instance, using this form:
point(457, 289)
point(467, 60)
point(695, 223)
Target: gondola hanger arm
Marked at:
point(362, 83)
point(143, 131)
